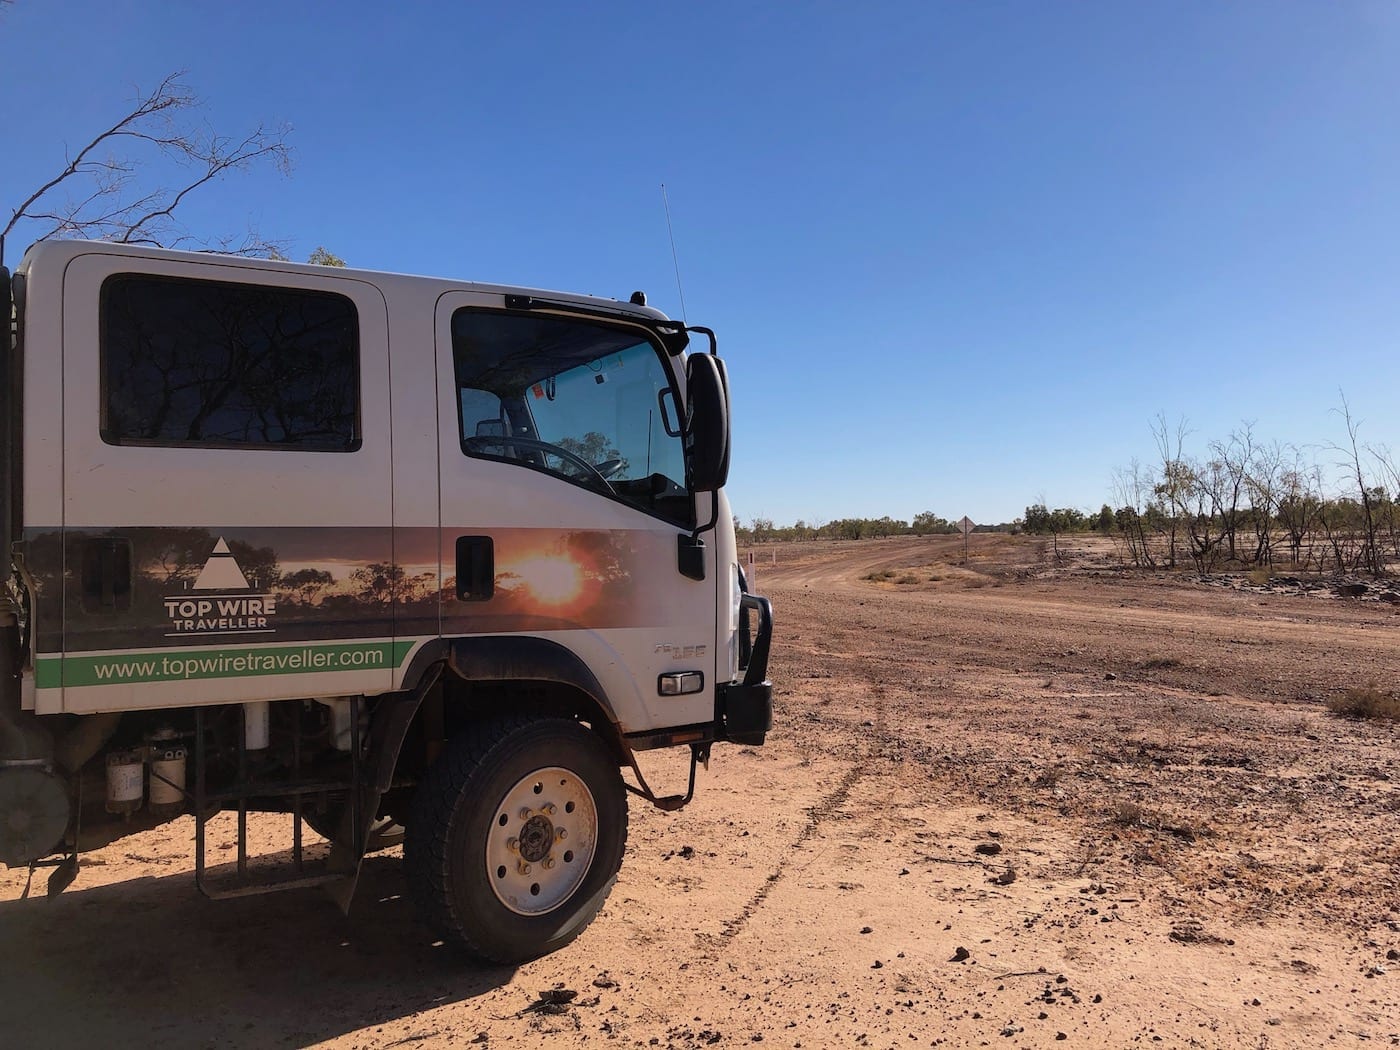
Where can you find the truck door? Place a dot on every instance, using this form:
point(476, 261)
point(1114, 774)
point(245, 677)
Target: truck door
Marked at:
point(563, 496)
point(226, 477)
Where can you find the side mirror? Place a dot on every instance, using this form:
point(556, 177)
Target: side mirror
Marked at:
point(706, 423)
point(724, 384)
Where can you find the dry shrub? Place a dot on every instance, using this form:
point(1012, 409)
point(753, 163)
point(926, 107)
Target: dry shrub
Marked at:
point(882, 576)
point(908, 577)
point(1365, 701)
point(1261, 576)
point(1126, 815)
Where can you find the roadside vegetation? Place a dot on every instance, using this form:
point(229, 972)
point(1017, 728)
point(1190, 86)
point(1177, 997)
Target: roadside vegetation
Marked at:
point(1255, 505)
point(1240, 504)
point(1366, 702)
point(926, 523)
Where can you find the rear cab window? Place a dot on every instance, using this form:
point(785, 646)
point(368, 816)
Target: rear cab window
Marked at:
point(211, 364)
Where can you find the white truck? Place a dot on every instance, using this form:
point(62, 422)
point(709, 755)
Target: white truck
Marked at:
point(406, 559)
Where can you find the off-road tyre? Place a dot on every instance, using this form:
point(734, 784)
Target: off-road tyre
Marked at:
point(458, 822)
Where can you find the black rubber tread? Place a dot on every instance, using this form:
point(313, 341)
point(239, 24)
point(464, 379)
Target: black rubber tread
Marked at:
point(483, 928)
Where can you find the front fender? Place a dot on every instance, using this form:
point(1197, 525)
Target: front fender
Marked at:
point(518, 658)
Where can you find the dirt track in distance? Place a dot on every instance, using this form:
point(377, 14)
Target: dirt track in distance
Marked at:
point(1004, 804)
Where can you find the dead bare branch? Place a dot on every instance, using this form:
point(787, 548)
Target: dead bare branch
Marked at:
point(100, 201)
point(1370, 554)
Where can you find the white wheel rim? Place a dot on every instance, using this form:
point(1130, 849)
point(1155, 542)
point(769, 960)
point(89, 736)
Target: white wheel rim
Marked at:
point(541, 842)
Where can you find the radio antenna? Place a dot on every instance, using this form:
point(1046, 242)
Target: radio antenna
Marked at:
point(666, 201)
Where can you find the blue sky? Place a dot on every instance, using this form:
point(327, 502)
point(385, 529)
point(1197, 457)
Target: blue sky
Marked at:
point(959, 255)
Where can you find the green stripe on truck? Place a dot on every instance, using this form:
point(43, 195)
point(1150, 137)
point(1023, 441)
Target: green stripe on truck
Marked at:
point(183, 665)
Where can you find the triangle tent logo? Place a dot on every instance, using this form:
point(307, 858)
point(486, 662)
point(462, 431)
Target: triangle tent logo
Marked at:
point(221, 571)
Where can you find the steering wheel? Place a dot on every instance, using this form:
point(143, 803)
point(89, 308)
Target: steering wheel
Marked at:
point(587, 468)
point(609, 467)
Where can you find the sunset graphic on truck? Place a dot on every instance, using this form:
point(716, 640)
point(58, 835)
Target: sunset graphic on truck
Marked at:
point(324, 600)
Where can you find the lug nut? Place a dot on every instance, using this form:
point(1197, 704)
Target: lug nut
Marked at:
point(548, 863)
point(523, 868)
point(548, 809)
point(526, 814)
point(563, 834)
point(513, 845)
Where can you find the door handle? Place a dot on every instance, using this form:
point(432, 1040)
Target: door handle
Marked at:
point(476, 568)
point(106, 575)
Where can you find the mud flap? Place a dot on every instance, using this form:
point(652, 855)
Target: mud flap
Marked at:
point(385, 742)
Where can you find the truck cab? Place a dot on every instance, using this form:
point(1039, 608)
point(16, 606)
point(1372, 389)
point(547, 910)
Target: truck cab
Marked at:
point(407, 559)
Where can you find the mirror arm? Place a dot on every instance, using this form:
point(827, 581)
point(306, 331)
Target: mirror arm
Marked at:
point(708, 334)
point(714, 517)
point(690, 550)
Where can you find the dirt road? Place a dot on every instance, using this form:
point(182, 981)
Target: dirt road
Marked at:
point(1004, 804)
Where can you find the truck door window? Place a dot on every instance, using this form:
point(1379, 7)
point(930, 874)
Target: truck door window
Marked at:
point(213, 364)
point(482, 412)
point(577, 399)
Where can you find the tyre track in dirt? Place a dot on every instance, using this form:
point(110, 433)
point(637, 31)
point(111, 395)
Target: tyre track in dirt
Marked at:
point(817, 815)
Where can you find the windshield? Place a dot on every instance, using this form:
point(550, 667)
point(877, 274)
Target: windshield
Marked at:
point(590, 403)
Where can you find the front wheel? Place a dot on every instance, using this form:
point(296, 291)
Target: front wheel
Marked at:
point(516, 837)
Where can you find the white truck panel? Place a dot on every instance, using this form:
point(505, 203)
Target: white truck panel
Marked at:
point(132, 485)
point(42, 465)
point(409, 478)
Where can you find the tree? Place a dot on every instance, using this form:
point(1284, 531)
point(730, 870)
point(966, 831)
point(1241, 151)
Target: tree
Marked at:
point(1265, 482)
point(324, 257)
point(1173, 492)
point(1370, 554)
point(593, 447)
point(1130, 527)
point(175, 556)
point(1233, 458)
point(1132, 487)
point(100, 191)
point(307, 584)
point(259, 564)
point(1037, 519)
point(926, 522)
point(379, 582)
point(1299, 503)
point(1385, 465)
point(1201, 490)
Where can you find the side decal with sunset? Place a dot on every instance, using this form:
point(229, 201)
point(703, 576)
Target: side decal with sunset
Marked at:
point(548, 579)
point(335, 584)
